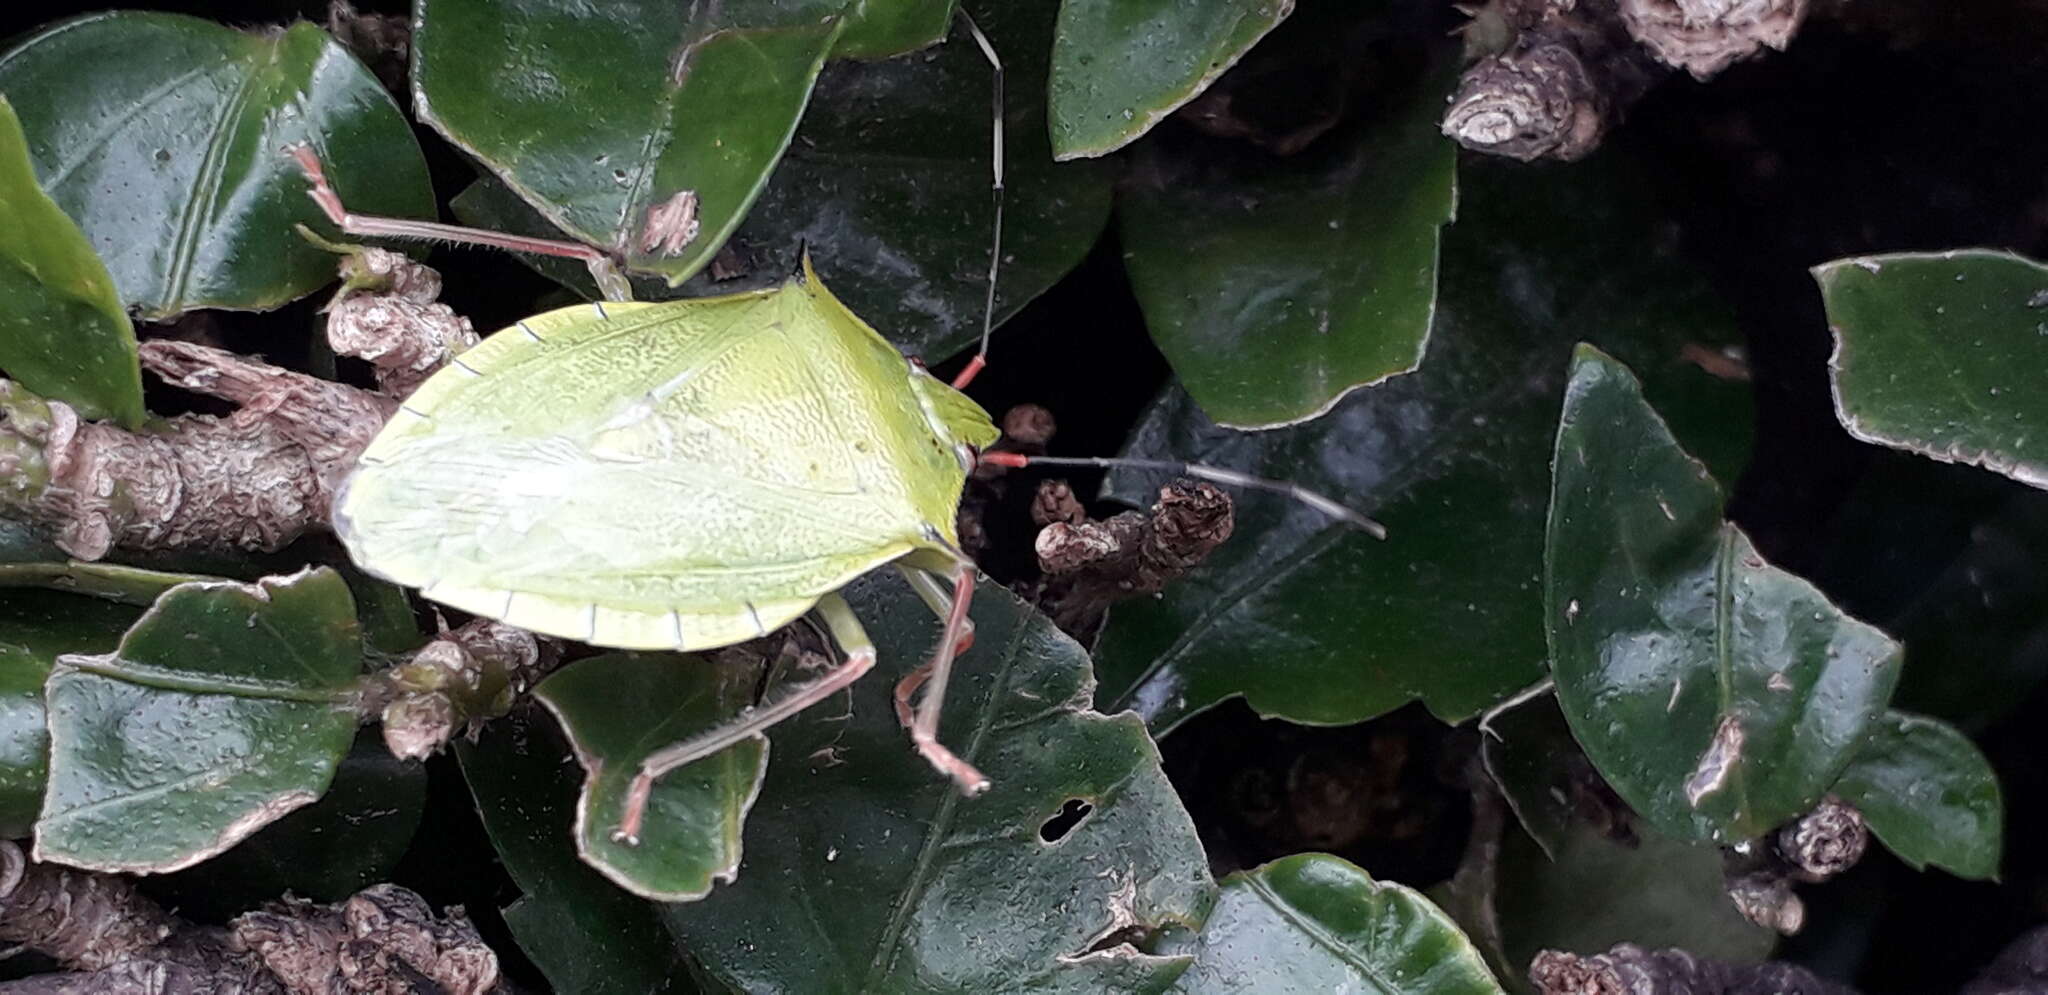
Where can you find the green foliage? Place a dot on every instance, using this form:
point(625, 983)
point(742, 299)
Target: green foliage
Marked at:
point(1935, 353)
point(1454, 458)
point(1720, 695)
point(598, 114)
point(1928, 794)
point(160, 135)
point(63, 332)
point(911, 887)
point(1314, 923)
point(1275, 291)
point(618, 708)
point(1343, 304)
point(1120, 66)
point(225, 706)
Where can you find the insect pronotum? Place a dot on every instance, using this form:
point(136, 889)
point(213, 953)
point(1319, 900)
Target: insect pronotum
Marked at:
point(729, 464)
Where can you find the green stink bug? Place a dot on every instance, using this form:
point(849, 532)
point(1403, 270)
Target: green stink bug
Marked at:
point(686, 475)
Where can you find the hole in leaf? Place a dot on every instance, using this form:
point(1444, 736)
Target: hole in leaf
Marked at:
point(1063, 822)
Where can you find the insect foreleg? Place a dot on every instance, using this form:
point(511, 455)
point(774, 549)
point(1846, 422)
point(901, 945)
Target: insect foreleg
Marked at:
point(923, 721)
point(860, 658)
point(602, 268)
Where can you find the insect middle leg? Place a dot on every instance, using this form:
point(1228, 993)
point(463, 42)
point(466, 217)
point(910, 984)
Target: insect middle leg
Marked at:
point(923, 720)
point(853, 641)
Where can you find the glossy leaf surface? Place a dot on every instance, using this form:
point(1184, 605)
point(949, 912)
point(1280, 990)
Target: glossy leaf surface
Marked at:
point(225, 706)
point(881, 28)
point(618, 708)
point(36, 627)
point(1276, 287)
point(63, 331)
point(887, 186)
point(1119, 66)
point(1316, 923)
point(599, 114)
point(1939, 354)
point(584, 932)
point(1718, 694)
point(1318, 623)
point(910, 887)
point(160, 135)
point(350, 839)
point(1929, 795)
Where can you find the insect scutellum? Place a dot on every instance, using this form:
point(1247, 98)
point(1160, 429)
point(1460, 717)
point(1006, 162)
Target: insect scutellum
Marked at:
point(484, 504)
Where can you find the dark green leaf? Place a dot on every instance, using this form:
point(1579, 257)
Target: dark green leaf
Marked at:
point(908, 887)
point(226, 706)
point(1717, 693)
point(887, 186)
point(63, 331)
point(1316, 622)
point(112, 581)
point(1275, 289)
point(586, 935)
point(1315, 923)
point(161, 136)
point(1928, 794)
point(600, 113)
point(348, 840)
point(620, 707)
point(1941, 353)
point(878, 29)
point(1119, 66)
point(1587, 874)
point(35, 628)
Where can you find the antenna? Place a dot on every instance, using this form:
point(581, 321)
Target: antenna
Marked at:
point(995, 249)
point(1202, 471)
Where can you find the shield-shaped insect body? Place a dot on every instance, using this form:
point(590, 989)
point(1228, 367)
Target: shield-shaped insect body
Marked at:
point(677, 475)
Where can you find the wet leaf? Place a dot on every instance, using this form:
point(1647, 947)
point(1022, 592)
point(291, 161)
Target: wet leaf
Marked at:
point(903, 238)
point(1939, 353)
point(353, 837)
point(160, 135)
point(599, 114)
point(1315, 622)
point(584, 932)
point(1316, 923)
point(620, 707)
point(1119, 66)
point(63, 331)
point(36, 627)
point(1718, 694)
point(878, 29)
point(226, 706)
point(1276, 287)
point(112, 581)
point(1929, 795)
point(908, 886)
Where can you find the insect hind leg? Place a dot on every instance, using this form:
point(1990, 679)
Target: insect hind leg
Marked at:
point(860, 658)
point(923, 720)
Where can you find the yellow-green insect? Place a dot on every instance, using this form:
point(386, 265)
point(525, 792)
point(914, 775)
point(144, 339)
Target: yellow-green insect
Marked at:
point(681, 475)
point(687, 475)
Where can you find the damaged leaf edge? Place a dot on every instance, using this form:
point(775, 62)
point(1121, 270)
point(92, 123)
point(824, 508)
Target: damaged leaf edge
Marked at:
point(593, 772)
point(2033, 475)
point(628, 225)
